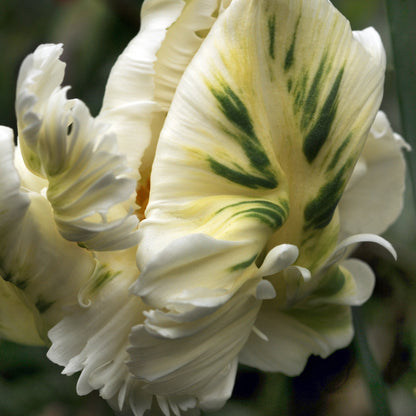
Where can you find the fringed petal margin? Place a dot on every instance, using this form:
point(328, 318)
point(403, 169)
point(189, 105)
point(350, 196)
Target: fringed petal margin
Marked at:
point(61, 142)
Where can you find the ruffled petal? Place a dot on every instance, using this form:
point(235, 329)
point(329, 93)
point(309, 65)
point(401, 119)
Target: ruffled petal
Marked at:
point(45, 270)
point(93, 337)
point(144, 79)
point(20, 321)
point(374, 195)
point(13, 202)
point(278, 122)
point(183, 39)
point(292, 336)
point(176, 356)
point(195, 270)
point(129, 100)
point(61, 142)
point(310, 315)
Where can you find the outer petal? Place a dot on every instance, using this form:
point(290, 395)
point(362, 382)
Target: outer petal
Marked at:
point(13, 202)
point(182, 41)
point(45, 270)
point(199, 356)
point(144, 79)
point(129, 101)
point(277, 120)
point(195, 270)
point(313, 318)
point(294, 335)
point(94, 337)
point(374, 195)
point(62, 143)
point(19, 319)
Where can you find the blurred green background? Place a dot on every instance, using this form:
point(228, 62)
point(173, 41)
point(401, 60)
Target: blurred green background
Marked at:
point(94, 32)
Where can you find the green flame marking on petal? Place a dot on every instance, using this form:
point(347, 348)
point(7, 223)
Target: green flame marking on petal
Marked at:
point(319, 133)
point(237, 114)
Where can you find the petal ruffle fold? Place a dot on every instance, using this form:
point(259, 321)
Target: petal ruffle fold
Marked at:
point(62, 143)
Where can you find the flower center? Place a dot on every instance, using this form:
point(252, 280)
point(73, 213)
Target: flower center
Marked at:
point(142, 197)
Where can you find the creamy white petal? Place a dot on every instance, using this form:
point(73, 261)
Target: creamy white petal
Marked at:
point(195, 270)
point(129, 101)
point(292, 336)
point(183, 39)
point(364, 282)
point(281, 97)
point(28, 180)
point(196, 353)
point(374, 195)
point(62, 143)
point(47, 268)
point(345, 247)
point(93, 338)
point(13, 202)
point(315, 318)
point(20, 321)
point(278, 259)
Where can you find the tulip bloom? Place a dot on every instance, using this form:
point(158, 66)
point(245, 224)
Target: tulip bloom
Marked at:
point(205, 216)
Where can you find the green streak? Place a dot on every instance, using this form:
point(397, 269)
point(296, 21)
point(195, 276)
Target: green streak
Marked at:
point(234, 110)
point(103, 276)
point(311, 101)
point(319, 212)
point(300, 92)
point(338, 153)
point(266, 212)
point(243, 265)
point(290, 54)
point(245, 179)
point(265, 216)
point(271, 24)
point(289, 85)
point(319, 133)
point(238, 115)
point(369, 367)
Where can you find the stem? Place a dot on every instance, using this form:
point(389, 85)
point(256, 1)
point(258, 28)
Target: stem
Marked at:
point(402, 16)
point(370, 370)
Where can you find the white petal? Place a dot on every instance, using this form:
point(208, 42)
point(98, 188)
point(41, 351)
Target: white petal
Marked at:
point(62, 143)
point(48, 269)
point(278, 259)
point(374, 196)
point(195, 270)
point(201, 351)
point(13, 202)
point(265, 290)
point(93, 338)
point(129, 101)
point(28, 180)
point(364, 280)
point(347, 245)
point(19, 319)
point(273, 109)
point(296, 334)
point(182, 41)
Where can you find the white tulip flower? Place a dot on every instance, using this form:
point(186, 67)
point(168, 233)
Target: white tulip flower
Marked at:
point(205, 216)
